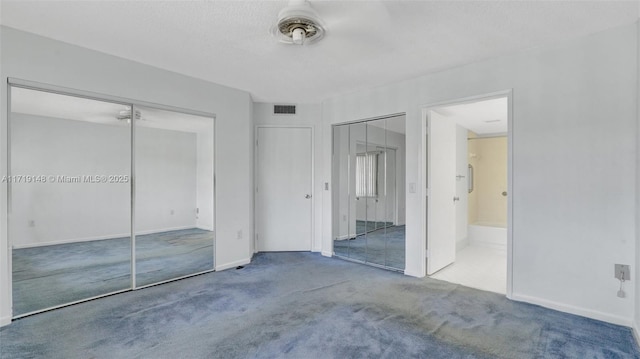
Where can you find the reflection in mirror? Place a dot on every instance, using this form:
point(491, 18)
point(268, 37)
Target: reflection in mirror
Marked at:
point(174, 195)
point(69, 208)
point(368, 192)
point(395, 189)
point(374, 174)
point(341, 203)
point(357, 200)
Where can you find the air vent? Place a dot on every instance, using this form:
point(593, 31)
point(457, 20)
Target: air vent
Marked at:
point(284, 109)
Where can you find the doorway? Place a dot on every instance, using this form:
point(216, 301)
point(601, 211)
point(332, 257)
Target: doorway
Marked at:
point(284, 203)
point(468, 192)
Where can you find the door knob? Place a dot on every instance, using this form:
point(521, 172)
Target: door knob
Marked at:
point(307, 196)
point(504, 193)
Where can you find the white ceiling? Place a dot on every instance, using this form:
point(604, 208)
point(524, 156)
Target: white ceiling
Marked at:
point(46, 104)
point(488, 117)
point(367, 43)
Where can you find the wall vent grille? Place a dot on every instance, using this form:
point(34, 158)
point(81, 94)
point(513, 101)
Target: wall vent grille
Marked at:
point(284, 109)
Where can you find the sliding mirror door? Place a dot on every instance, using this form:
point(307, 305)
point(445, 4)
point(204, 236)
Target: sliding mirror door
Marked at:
point(368, 192)
point(343, 231)
point(357, 200)
point(69, 199)
point(372, 174)
point(173, 195)
point(395, 154)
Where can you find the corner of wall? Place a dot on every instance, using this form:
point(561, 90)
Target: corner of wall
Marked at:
point(233, 264)
point(4, 321)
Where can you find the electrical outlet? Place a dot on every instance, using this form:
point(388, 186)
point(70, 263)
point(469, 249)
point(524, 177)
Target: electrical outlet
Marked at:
point(622, 272)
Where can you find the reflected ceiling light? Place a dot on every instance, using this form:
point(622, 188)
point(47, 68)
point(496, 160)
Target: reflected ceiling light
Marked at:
point(125, 115)
point(298, 24)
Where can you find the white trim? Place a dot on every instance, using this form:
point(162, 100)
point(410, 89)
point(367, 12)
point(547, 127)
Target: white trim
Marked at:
point(327, 254)
point(233, 264)
point(100, 238)
point(5, 321)
point(583, 312)
point(41, 86)
point(636, 332)
point(426, 108)
point(414, 274)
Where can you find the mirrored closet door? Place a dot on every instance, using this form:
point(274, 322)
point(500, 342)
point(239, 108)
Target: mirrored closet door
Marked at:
point(69, 199)
point(83, 175)
point(174, 195)
point(368, 192)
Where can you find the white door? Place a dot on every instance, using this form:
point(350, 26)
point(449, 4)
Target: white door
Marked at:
point(441, 228)
point(283, 197)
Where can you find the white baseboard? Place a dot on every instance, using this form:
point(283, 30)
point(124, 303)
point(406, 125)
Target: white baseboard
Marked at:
point(636, 332)
point(5, 321)
point(233, 264)
point(583, 312)
point(413, 274)
point(99, 238)
point(327, 254)
point(205, 228)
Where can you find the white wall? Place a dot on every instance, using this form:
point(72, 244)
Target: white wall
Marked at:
point(57, 212)
point(574, 148)
point(166, 180)
point(30, 57)
point(307, 115)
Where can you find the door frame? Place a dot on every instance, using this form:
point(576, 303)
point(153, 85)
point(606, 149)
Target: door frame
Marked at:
point(256, 174)
point(424, 167)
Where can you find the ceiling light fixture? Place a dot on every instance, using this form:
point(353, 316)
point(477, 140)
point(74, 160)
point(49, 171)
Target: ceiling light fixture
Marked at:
point(298, 24)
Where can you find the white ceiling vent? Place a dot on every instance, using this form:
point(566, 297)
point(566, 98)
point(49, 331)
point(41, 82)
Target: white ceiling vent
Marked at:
point(284, 109)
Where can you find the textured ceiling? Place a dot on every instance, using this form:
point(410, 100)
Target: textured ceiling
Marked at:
point(367, 43)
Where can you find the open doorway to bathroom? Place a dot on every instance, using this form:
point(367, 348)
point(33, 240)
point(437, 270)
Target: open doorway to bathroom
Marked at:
point(467, 198)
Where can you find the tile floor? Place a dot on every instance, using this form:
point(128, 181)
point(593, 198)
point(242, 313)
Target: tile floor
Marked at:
point(479, 267)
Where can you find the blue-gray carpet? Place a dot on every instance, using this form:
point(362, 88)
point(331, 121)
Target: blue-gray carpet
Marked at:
point(363, 227)
point(303, 305)
point(384, 247)
point(53, 275)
